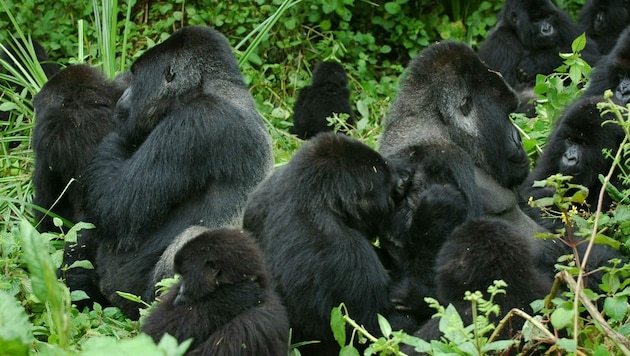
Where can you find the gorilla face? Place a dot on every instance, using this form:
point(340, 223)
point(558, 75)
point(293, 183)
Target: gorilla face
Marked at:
point(613, 72)
point(534, 22)
point(448, 93)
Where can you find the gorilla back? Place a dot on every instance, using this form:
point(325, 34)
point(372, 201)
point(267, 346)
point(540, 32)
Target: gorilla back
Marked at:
point(188, 148)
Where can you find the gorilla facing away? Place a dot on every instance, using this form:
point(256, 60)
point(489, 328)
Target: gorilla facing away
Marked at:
point(223, 300)
point(474, 255)
point(188, 148)
point(315, 219)
point(74, 111)
point(604, 20)
point(327, 94)
point(527, 40)
point(449, 133)
point(613, 72)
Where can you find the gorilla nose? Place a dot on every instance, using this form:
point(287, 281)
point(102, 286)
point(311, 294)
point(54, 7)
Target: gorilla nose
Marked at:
point(546, 29)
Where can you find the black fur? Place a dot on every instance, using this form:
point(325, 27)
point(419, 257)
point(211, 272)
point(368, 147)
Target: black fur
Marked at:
point(223, 299)
point(527, 40)
point(613, 72)
point(603, 21)
point(327, 94)
point(314, 219)
point(188, 148)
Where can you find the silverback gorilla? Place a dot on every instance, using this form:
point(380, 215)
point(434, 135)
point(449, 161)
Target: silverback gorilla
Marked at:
point(223, 300)
point(188, 148)
point(314, 219)
point(449, 133)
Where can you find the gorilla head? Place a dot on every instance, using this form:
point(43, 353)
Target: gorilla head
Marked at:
point(613, 72)
point(603, 21)
point(535, 22)
point(448, 94)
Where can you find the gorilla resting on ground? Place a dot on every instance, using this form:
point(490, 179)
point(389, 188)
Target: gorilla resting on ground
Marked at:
point(474, 255)
point(603, 21)
point(449, 130)
point(327, 94)
point(223, 299)
point(613, 72)
point(315, 219)
point(574, 148)
point(527, 40)
point(74, 112)
point(188, 148)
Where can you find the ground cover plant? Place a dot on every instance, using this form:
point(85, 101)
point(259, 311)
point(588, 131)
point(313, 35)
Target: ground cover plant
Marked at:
point(278, 43)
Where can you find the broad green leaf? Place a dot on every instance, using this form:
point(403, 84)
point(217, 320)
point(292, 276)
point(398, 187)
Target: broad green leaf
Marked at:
point(16, 334)
point(561, 318)
point(338, 325)
point(386, 329)
point(616, 307)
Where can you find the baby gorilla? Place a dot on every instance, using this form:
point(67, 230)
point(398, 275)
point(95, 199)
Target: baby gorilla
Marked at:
point(223, 300)
point(327, 94)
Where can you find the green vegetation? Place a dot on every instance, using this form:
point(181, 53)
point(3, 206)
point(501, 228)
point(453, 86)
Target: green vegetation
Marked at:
point(278, 42)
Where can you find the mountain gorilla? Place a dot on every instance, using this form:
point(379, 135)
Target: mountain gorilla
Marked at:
point(613, 72)
point(327, 94)
point(474, 255)
point(315, 219)
point(223, 299)
point(574, 148)
point(74, 112)
point(527, 40)
point(603, 21)
point(188, 148)
point(449, 130)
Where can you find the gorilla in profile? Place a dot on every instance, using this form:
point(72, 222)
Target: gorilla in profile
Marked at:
point(223, 299)
point(449, 130)
point(315, 219)
point(527, 40)
point(604, 20)
point(327, 94)
point(188, 148)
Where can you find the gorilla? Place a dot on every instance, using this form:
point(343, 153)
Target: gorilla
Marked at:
point(188, 148)
point(327, 94)
point(74, 111)
point(223, 300)
point(315, 219)
point(11, 55)
point(613, 72)
point(474, 255)
point(574, 148)
point(450, 136)
point(603, 21)
point(527, 40)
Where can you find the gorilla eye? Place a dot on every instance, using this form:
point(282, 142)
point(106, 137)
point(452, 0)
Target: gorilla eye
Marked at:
point(169, 75)
point(466, 106)
point(514, 17)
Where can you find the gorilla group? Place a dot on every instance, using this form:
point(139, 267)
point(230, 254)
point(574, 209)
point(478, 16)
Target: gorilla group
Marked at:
point(186, 148)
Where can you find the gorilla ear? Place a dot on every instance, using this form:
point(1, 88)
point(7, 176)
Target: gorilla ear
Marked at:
point(212, 268)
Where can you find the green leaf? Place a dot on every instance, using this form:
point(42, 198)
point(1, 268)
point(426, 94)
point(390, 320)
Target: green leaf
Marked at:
point(616, 307)
point(15, 330)
point(562, 318)
point(392, 7)
point(579, 43)
point(567, 344)
point(338, 325)
point(348, 350)
point(386, 329)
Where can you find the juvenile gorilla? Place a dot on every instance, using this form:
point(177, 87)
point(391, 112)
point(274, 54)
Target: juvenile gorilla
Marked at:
point(74, 111)
point(527, 40)
point(613, 72)
point(327, 94)
point(475, 254)
point(223, 299)
point(574, 148)
point(315, 218)
point(188, 148)
point(603, 21)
